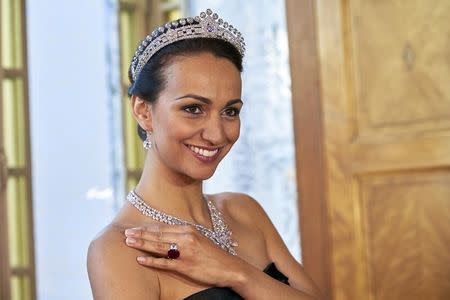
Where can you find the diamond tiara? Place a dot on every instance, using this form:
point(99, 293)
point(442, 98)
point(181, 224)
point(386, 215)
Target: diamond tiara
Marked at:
point(206, 25)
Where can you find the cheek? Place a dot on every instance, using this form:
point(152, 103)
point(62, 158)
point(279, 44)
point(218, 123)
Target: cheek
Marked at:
point(173, 132)
point(233, 131)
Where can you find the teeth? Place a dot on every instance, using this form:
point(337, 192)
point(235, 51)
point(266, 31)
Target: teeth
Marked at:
point(203, 152)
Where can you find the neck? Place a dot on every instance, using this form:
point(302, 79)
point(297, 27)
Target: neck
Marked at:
point(171, 192)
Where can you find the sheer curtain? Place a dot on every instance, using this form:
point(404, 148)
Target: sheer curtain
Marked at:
point(262, 163)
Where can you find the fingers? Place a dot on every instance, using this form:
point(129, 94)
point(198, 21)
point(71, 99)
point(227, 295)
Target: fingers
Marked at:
point(155, 241)
point(160, 228)
point(160, 263)
point(157, 236)
point(159, 248)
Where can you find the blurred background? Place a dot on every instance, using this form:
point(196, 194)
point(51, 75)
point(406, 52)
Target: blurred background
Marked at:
point(345, 137)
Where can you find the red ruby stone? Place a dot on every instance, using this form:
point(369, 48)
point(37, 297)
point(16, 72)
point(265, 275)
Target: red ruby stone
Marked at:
point(173, 254)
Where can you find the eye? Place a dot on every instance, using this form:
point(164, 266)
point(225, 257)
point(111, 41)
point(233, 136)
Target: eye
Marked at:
point(193, 109)
point(231, 112)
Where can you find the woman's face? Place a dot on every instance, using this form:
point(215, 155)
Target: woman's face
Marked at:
point(195, 120)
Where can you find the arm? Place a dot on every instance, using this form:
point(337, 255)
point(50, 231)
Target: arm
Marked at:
point(202, 261)
point(251, 283)
point(113, 275)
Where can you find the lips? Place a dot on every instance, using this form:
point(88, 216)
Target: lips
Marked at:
point(205, 155)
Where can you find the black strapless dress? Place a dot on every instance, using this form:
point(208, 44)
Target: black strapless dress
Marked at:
point(218, 293)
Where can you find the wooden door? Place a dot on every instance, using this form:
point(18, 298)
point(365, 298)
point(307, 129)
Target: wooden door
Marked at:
point(383, 92)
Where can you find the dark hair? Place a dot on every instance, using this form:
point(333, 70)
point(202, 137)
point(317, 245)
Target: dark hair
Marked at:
point(151, 80)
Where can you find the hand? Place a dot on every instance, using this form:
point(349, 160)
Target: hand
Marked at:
point(200, 259)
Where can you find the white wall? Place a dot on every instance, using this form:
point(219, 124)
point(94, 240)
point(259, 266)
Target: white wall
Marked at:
point(70, 140)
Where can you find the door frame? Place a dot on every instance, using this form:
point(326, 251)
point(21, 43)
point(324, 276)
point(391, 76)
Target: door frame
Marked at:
point(308, 136)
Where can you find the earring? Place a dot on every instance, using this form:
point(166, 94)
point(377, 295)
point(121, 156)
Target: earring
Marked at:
point(147, 143)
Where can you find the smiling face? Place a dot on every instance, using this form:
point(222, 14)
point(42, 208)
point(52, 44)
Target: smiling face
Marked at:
point(195, 120)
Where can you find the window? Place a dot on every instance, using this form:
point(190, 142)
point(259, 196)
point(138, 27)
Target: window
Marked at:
point(17, 274)
point(136, 19)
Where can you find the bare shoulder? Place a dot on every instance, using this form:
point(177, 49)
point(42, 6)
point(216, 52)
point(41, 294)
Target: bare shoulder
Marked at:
point(245, 208)
point(110, 242)
point(113, 270)
point(242, 208)
point(238, 203)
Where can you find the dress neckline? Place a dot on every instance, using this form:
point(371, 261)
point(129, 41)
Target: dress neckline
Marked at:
point(271, 270)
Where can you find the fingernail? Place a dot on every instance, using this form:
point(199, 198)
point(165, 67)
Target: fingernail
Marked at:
point(140, 259)
point(130, 241)
point(130, 232)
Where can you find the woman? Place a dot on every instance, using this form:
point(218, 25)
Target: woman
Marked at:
point(171, 241)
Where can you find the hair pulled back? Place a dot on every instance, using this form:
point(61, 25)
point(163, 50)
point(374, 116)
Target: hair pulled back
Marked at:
point(151, 80)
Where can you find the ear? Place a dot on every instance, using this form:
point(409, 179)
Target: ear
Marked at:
point(142, 112)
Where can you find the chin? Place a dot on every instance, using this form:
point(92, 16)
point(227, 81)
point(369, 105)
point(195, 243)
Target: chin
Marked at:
point(202, 175)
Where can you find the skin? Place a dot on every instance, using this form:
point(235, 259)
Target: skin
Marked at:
point(199, 106)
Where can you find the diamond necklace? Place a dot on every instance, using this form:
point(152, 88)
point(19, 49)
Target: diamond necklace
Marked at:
point(219, 234)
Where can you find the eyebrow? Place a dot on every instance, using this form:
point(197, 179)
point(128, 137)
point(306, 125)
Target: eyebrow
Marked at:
point(208, 101)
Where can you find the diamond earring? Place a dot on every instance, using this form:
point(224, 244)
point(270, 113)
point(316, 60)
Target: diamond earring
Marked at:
point(147, 143)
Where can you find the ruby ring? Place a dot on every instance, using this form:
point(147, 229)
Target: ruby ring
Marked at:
point(173, 252)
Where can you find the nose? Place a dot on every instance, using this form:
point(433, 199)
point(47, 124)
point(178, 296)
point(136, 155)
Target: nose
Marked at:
point(214, 131)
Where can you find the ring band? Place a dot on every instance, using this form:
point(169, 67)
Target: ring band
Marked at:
point(173, 252)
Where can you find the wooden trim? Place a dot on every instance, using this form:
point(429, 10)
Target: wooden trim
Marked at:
point(136, 173)
point(16, 172)
point(306, 106)
point(32, 266)
point(4, 263)
point(14, 73)
point(123, 85)
point(147, 14)
point(6, 271)
point(168, 6)
point(21, 272)
point(127, 6)
point(119, 34)
point(154, 14)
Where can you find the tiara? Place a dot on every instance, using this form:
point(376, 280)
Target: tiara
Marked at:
point(206, 25)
